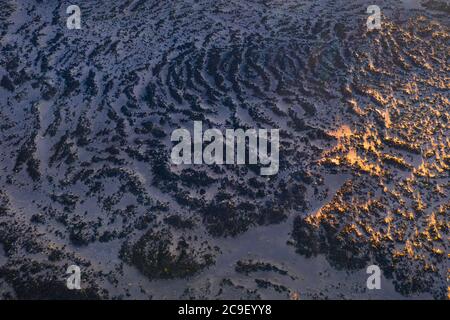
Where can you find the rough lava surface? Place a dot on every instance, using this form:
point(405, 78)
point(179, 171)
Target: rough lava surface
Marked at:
point(86, 179)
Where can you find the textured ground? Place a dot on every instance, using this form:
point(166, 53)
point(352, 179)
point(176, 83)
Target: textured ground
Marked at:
point(85, 123)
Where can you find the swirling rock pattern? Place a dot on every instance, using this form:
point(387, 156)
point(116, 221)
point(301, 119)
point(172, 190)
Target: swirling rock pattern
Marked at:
point(85, 123)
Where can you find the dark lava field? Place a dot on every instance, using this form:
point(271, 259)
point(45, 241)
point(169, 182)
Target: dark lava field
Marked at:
point(86, 178)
